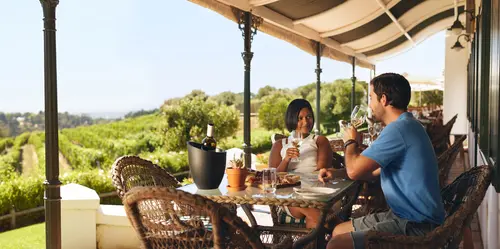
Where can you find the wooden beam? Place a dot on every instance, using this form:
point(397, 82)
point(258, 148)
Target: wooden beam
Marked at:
point(261, 2)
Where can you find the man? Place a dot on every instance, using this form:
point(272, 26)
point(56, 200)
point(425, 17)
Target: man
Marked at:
point(403, 157)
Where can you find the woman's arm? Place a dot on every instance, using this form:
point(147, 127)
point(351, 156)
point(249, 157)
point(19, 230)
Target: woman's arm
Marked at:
point(325, 154)
point(275, 160)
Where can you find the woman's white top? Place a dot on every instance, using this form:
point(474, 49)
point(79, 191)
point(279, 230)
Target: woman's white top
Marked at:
point(308, 154)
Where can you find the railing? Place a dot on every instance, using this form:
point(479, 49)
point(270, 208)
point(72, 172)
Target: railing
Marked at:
point(13, 213)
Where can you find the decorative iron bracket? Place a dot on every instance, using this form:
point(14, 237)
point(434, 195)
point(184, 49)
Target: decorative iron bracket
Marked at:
point(255, 22)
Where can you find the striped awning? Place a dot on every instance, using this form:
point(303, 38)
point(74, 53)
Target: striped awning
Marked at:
point(369, 30)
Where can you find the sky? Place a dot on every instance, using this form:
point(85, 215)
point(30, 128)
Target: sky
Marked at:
point(120, 56)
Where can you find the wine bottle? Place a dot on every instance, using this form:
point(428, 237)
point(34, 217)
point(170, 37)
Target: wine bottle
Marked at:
point(209, 143)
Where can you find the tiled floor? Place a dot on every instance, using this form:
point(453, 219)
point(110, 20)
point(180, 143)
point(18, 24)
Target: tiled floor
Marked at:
point(460, 165)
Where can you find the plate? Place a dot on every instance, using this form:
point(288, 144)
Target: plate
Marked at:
point(314, 192)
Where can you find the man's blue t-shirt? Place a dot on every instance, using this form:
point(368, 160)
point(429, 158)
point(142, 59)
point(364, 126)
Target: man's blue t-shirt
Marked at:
point(409, 171)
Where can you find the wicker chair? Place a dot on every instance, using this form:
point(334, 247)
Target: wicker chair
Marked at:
point(461, 200)
point(446, 159)
point(371, 200)
point(168, 218)
point(276, 136)
point(133, 171)
point(440, 136)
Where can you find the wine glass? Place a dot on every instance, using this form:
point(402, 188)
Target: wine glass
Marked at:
point(358, 116)
point(372, 132)
point(378, 128)
point(297, 142)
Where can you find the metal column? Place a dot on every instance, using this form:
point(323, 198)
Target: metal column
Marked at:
point(353, 78)
point(52, 198)
point(248, 24)
point(317, 123)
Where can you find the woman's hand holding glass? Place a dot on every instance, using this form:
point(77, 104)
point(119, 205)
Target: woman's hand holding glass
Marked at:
point(292, 152)
point(296, 143)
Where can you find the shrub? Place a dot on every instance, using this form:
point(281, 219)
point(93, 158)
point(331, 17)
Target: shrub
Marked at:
point(173, 162)
point(188, 120)
point(272, 111)
point(6, 143)
point(27, 193)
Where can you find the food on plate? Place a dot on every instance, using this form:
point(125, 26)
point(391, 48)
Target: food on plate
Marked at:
point(284, 179)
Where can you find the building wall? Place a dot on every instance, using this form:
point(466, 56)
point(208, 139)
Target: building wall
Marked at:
point(455, 84)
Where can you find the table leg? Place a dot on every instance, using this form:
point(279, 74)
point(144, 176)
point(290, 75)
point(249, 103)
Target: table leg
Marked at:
point(317, 233)
point(248, 212)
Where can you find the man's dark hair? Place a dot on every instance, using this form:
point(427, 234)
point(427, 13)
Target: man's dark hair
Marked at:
point(292, 113)
point(395, 87)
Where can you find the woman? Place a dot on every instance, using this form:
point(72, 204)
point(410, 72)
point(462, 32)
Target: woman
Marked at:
point(314, 153)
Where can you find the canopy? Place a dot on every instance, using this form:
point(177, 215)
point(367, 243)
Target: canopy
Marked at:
point(369, 30)
point(424, 83)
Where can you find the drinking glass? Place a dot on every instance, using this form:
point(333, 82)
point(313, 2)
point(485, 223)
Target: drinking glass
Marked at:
point(269, 180)
point(378, 128)
point(358, 116)
point(297, 142)
point(367, 139)
point(372, 132)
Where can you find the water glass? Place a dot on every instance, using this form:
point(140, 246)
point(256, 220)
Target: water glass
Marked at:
point(367, 139)
point(378, 128)
point(269, 180)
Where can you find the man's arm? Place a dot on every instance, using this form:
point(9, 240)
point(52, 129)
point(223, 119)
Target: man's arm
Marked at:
point(360, 167)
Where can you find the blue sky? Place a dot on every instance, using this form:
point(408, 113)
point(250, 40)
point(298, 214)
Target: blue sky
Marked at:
point(118, 56)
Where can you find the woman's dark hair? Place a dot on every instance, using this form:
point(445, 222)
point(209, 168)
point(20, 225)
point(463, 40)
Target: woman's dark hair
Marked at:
point(292, 113)
point(395, 87)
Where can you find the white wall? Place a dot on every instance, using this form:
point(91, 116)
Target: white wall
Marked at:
point(455, 84)
point(78, 217)
point(114, 229)
point(87, 225)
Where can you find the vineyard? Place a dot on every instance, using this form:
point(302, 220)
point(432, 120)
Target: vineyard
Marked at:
point(91, 147)
point(89, 152)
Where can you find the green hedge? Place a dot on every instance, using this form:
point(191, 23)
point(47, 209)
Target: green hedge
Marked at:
point(173, 162)
point(6, 143)
point(260, 140)
point(10, 162)
point(27, 193)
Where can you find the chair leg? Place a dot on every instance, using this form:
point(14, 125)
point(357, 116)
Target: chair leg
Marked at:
point(467, 238)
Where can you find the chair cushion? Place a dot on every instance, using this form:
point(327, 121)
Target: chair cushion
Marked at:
point(284, 218)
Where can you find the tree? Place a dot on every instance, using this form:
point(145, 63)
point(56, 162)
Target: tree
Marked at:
point(197, 94)
point(306, 90)
point(432, 98)
point(4, 131)
point(188, 121)
point(272, 111)
point(335, 102)
point(265, 91)
point(227, 98)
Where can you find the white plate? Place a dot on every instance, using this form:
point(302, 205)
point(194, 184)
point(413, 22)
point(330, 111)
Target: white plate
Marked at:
point(315, 192)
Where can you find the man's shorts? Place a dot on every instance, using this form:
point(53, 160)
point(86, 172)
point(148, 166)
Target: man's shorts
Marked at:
point(386, 222)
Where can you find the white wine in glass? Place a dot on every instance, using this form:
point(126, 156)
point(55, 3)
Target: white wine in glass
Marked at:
point(297, 142)
point(358, 116)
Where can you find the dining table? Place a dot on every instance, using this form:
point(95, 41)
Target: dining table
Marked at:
point(286, 196)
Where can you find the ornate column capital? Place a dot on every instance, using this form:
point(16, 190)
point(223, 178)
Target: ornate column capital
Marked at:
point(255, 22)
point(49, 3)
